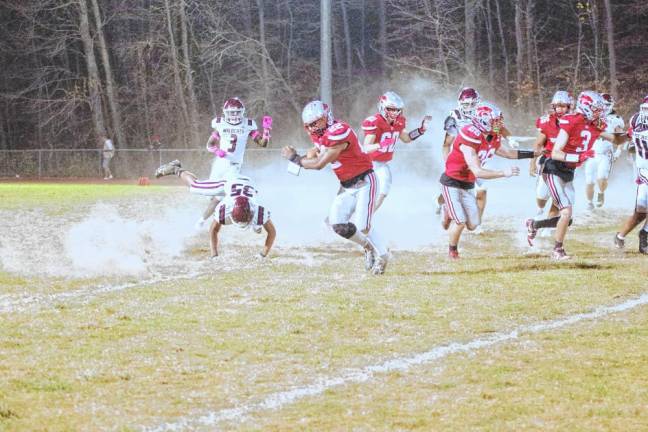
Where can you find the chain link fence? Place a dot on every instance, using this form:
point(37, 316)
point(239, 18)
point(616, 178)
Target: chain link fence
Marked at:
point(127, 163)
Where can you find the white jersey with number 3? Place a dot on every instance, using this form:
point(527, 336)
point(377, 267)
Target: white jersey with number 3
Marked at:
point(233, 138)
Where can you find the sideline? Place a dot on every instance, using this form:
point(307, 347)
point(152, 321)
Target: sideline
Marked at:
point(278, 400)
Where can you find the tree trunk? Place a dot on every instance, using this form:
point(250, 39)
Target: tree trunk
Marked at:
point(519, 40)
point(382, 34)
point(578, 52)
point(489, 33)
point(113, 103)
point(347, 41)
point(594, 23)
point(264, 62)
point(507, 91)
point(469, 35)
point(443, 59)
point(326, 73)
point(609, 24)
point(176, 71)
point(193, 105)
point(94, 84)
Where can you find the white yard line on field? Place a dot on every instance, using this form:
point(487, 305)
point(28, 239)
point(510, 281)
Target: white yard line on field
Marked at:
point(278, 400)
point(27, 302)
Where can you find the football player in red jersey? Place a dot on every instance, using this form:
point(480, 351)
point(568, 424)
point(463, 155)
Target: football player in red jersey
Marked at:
point(572, 148)
point(382, 132)
point(336, 143)
point(548, 128)
point(638, 132)
point(474, 144)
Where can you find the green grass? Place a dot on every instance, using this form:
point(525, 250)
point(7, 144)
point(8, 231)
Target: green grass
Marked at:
point(156, 352)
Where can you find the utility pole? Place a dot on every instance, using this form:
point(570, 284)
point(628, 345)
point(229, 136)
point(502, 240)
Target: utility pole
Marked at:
point(326, 74)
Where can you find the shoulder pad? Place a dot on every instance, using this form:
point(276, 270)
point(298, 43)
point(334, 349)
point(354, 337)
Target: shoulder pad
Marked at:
point(338, 131)
point(470, 133)
point(215, 122)
point(370, 123)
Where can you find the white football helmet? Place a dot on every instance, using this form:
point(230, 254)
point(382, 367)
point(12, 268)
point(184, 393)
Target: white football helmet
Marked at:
point(487, 118)
point(643, 111)
point(467, 100)
point(312, 112)
point(561, 97)
point(233, 111)
point(609, 103)
point(390, 106)
point(591, 105)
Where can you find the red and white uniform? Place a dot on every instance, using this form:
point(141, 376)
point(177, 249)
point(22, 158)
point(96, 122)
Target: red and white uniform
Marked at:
point(549, 126)
point(233, 188)
point(232, 139)
point(559, 175)
point(638, 132)
point(378, 126)
point(354, 170)
point(458, 181)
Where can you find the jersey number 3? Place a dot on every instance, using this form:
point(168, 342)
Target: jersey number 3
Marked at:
point(587, 137)
point(232, 146)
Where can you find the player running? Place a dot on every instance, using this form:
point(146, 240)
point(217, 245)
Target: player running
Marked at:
point(382, 132)
point(237, 204)
point(598, 168)
point(474, 144)
point(548, 128)
point(336, 143)
point(228, 142)
point(638, 132)
point(572, 148)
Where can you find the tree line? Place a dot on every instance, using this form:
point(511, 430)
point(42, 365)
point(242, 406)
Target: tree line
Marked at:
point(140, 68)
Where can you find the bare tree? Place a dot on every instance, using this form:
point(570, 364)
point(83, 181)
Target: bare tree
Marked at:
point(609, 26)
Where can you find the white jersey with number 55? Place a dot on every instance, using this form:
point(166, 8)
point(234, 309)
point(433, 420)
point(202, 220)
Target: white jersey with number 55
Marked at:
point(241, 186)
point(233, 138)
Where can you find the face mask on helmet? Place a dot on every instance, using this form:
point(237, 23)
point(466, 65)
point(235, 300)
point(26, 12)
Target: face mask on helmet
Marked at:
point(390, 106)
point(609, 103)
point(591, 105)
point(233, 111)
point(468, 100)
point(488, 118)
point(242, 213)
point(317, 117)
point(561, 103)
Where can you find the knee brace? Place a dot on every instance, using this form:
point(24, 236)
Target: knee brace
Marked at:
point(345, 230)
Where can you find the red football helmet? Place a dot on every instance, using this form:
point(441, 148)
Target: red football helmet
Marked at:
point(233, 111)
point(591, 105)
point(242, 212)
point(390, 106)
point(609, 102)
point(467, 100)
point(312, 113)
point(488, 118)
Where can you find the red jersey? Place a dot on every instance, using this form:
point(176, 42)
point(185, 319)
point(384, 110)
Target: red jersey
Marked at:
point(582, 134)
point(379, 127)
point(352, 161)
point(484, 146)
point(548, 125)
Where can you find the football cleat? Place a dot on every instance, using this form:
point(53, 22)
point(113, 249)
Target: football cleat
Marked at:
point(531, 231)
point(590, 205)
point(168, 169)
point(643, 242)
point(559, 254)
point(600, 199)
point(445, 219)
point(380, 263)
point(619, 242)
point(370, 259)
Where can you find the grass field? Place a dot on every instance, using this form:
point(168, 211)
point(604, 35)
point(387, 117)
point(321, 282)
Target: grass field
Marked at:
point(504, 339)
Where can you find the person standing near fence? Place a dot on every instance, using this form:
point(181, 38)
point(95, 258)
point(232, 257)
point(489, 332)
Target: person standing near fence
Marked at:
point(107, 154)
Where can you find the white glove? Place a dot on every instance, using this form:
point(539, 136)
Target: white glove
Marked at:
point(511, 171)
point(617, 152)
point(199, 224)
point(512, 142)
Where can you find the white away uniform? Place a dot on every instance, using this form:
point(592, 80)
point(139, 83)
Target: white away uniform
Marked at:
point(599, 167)
point(233, 188)
point(639, 134)
point(232, 140)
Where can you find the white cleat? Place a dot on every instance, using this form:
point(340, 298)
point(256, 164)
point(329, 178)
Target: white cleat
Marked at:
point(380, 264)
point(370, 259)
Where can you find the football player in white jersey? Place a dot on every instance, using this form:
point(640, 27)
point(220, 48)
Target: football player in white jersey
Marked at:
point(228, 142)
point(237, 203)
point(638, 133)
point(597, 169)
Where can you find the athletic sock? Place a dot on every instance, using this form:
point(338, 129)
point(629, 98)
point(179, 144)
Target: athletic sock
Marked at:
point(377, 242)
point(452, 248)
point(558, 245)
point(361, 239)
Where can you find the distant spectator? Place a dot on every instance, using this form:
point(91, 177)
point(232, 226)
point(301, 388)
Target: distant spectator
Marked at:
point(154, 142)
point(107, 155)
